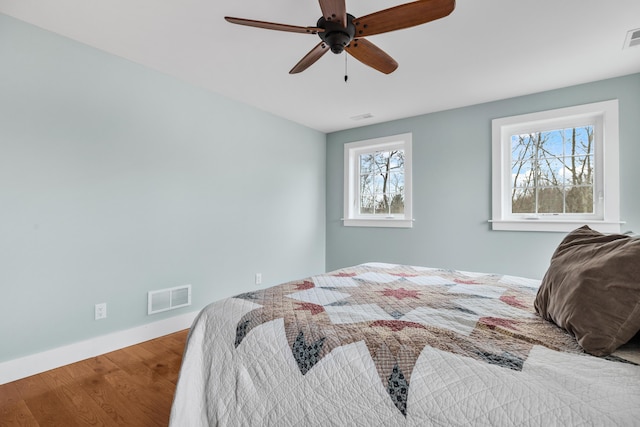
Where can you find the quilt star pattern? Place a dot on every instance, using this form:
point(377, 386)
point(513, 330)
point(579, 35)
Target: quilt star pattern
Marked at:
point(398, 310)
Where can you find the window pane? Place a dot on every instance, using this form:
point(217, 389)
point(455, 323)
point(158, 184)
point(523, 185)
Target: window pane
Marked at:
point(522, 147)
point(366, 163)
point(579, 141)
point(381, 182)
point(380, 161)
point(550, 144)
point(550, 200)
point(397, 203)
point(551, 172)
point(580, 170)
point(522, 175)
point(366, 185)
point(378, 183)
point(397, 160)
point(580, 200)
point(366, 205)
point(550, 166)
point(396, 182)
point(381, 204)
point(524, 202)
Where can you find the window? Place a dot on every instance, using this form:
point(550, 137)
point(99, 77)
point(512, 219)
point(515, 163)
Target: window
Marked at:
point(557, 170)
point(377, 180)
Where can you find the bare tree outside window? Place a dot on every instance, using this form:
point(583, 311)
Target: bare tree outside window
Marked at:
point(382, 182)
point(552, 171)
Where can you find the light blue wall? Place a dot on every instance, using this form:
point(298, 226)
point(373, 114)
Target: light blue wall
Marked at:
point(116, 180)
point(452, 187)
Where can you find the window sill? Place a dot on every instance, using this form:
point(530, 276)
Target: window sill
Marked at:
point(383, 222)
point(554, 225)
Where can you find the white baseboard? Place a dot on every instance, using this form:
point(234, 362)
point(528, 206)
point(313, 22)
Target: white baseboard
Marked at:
point(40, 362)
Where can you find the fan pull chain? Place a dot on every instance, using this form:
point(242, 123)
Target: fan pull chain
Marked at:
point(346, 77)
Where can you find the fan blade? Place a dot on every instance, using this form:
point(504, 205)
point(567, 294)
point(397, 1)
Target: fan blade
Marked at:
point(369, 54)
point(274, 26)
point(334, 10)
point(403, 16)
point(310, 58)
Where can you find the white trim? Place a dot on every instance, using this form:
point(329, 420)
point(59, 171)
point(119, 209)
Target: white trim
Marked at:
point(23, 367)
point(351, 151)
point(606, 216)
point(379, 222)
point(554, 226)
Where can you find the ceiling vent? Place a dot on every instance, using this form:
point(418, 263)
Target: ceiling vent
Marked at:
point(633, 38)
point(362, 116)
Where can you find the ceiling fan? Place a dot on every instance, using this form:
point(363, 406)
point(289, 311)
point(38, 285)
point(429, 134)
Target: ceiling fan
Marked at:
point(340, 31)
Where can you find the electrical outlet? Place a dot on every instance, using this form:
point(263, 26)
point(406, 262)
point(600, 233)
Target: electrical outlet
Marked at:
point(101, 311)
point(258, 278)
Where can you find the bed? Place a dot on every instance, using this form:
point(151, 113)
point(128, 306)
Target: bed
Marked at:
point(399, 345)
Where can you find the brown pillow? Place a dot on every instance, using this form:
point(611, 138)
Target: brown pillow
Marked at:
point(592, 289)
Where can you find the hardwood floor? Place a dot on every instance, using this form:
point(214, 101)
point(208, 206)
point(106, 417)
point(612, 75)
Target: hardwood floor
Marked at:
point(133, 386)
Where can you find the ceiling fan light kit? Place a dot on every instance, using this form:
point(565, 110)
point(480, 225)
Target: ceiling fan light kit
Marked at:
point(340, 31)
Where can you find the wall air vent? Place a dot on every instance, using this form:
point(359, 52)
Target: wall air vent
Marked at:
point(168, 299)
point(633, 38)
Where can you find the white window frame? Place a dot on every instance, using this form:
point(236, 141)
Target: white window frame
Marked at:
point(352, 151)
point(606, 216)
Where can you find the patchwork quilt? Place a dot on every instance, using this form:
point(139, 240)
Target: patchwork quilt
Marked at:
point(395, 345)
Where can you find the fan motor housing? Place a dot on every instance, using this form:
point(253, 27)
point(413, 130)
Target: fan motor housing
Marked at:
point(335, 35)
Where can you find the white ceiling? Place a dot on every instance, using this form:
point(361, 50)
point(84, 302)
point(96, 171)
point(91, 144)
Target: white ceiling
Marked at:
point(484, 51)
